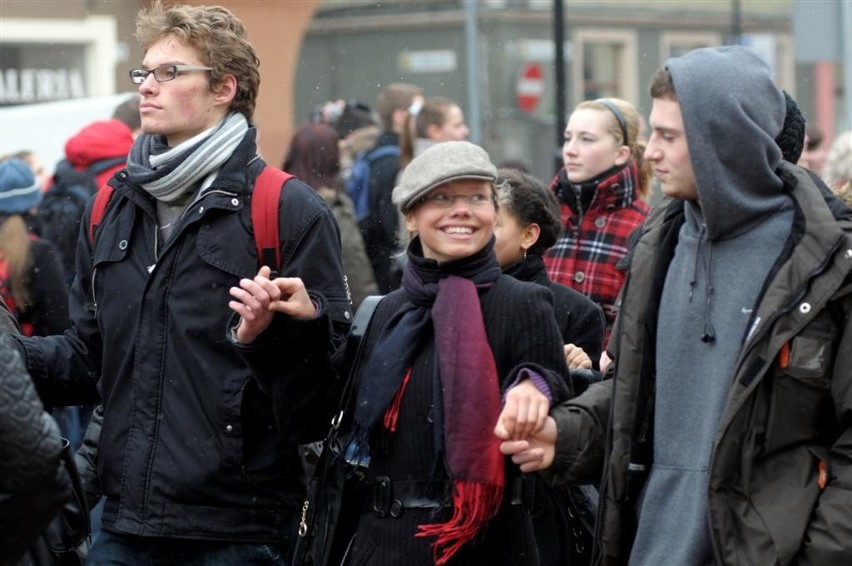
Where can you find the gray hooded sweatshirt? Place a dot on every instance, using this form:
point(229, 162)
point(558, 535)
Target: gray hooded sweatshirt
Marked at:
point(732, 112)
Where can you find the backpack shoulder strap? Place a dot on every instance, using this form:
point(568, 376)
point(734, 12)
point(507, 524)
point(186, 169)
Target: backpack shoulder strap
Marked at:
point(99, 209)
point(264, 215)
point(382, 151)
point(98, 167)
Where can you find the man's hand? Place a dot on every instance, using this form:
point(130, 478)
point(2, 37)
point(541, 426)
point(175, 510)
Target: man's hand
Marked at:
point(534, 453)
point(257, 300)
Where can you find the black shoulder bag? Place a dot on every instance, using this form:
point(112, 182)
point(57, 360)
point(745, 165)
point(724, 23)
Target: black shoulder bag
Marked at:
point(65, 540)
point(332, 507)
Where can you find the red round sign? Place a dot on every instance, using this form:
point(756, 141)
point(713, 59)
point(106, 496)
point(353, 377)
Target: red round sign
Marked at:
point(530, 87)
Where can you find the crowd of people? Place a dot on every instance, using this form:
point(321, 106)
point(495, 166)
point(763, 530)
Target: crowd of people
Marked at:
point(556, 374)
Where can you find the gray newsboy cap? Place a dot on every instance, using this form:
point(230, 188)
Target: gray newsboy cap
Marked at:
point(441, 163)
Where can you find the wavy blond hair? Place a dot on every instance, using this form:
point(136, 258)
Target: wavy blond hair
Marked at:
point(838, 167)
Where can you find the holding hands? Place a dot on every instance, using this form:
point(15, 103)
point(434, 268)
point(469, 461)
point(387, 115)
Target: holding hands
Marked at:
point(534, 453)
point(256, 301)
point(524, 411)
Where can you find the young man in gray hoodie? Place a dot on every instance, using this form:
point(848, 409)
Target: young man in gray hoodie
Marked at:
point(723, 429)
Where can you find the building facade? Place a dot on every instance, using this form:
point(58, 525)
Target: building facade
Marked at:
point(497, 58)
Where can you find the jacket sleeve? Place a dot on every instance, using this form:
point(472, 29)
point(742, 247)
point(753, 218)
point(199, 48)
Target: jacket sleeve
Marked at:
point(827, 540)
point(33, 482)
point(588, 331)
point(293, 361)
point(581, 425)
point(65, 368)
point(536, 341)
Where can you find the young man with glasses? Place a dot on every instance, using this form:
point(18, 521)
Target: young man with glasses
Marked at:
point(197, 456)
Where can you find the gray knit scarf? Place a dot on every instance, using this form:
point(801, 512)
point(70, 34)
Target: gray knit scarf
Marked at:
point(168, 173)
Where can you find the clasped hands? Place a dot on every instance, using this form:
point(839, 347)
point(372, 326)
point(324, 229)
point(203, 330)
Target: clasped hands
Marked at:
point(257, 300)
point(527, 432)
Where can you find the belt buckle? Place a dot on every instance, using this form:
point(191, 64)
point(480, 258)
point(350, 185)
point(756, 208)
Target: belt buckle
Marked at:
point(382, 496)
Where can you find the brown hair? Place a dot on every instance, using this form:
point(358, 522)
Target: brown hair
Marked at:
point(314, 156)
point(434, 112)
point(128, 112)
point(219, 37)
point(15, 251)
point(395, 96)
point(632, 122)
point(662, 85)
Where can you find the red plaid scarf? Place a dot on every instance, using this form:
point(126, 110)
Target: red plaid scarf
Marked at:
point(594, 241)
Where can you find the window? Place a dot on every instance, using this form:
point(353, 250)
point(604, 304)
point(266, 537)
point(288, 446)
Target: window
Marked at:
point(604, 65)
point(678, 43)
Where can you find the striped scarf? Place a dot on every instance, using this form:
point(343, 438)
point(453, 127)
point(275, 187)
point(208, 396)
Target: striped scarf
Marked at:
point(168, 173)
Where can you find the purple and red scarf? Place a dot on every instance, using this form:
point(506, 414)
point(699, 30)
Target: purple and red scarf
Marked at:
point(445, 297)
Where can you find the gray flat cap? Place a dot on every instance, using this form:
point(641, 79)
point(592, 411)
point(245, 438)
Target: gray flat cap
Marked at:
point(441, 163)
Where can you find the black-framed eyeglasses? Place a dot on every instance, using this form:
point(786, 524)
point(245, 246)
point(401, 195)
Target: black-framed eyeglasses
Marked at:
point(163, 73)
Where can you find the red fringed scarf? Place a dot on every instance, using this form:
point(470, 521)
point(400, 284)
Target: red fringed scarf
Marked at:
point(471, 400)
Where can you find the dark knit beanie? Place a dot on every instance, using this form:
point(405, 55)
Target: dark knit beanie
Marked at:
point(791, 140)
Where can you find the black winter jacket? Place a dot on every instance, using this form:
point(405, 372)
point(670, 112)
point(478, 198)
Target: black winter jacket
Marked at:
point(521, 331)
point(191, 445)
point(33, 481)
point(379, 228)
point(580, 319)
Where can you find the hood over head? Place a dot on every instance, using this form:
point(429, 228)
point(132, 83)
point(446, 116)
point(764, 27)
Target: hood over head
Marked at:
point(732, 111)
point(99, 140)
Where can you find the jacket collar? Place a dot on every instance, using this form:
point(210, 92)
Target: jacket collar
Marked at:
point(615, 188)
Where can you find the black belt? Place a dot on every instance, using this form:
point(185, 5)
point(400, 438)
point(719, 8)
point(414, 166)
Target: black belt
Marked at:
point(388, 498)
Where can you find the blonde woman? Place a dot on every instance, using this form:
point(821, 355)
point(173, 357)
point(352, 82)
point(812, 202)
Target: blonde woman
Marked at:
point(601, 190)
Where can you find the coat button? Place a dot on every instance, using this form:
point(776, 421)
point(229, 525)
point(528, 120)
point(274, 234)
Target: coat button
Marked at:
point(122, 245)
point(805, 308)
point(848, 254)
point(200, 209)
point(229, 428)
point(579, 277)
point(600, 222)
point(235, 202)
point(346, 315)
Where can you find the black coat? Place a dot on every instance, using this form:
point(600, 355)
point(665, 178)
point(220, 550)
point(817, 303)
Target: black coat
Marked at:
point(191, 445)
point(33, 482)
point(580, 319)
point(379, 228)
point(521, 329)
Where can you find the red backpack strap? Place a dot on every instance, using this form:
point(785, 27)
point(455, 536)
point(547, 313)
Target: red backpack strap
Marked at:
point(264, 215)
point(99, 209)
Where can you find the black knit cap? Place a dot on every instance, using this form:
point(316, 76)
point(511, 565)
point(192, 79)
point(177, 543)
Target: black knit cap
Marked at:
point(791, 140)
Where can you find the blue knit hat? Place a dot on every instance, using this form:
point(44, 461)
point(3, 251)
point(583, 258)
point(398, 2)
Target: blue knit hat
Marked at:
point(19, 190)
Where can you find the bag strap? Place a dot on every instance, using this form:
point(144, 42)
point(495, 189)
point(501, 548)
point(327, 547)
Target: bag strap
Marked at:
point(264, 216)
point(353, 357)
